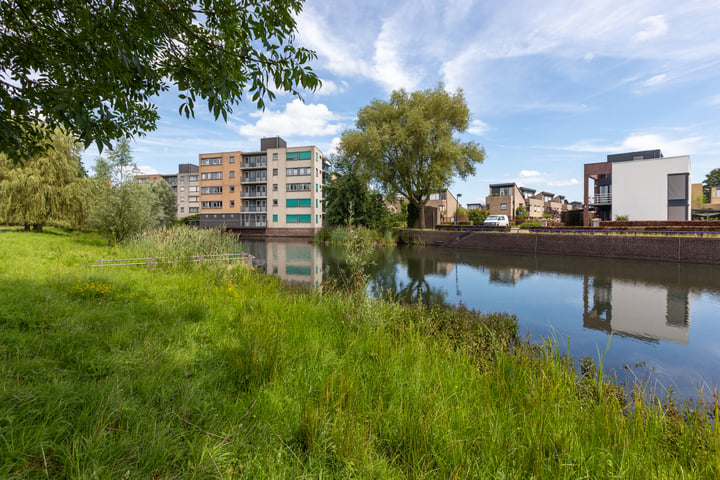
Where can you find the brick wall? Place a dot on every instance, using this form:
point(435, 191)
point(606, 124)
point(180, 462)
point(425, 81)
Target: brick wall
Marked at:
point(664, 249)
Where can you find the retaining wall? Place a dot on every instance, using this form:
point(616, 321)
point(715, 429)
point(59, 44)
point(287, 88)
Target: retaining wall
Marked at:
point(663, 249)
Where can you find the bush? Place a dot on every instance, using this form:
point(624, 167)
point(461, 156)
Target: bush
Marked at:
point(530, 224)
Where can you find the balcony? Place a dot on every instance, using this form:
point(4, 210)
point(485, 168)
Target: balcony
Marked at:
point(255, 164)
point(251, 224)
point(602, 199)
point(255, 209)
point(253, 195)
point(255, 179)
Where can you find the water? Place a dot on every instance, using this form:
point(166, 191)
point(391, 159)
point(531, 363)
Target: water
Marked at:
point(636, 316)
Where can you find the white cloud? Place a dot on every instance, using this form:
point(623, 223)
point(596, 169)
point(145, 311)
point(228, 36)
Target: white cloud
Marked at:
point(478, 127)
point(670, 147)
point(298, 119)
point(148, 170)
point(714, 100)
point(655, 26)
point(564, 183)
point(529, 173)
point(655, 80)
point(331, 88)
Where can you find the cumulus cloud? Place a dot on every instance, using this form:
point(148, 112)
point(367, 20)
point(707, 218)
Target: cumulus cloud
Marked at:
point(529, 173)
point(331, 88)
point(655, 26)
point(298, 119)
point(478, 127)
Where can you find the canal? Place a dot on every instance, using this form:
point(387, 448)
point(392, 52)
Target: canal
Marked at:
point(655, 322)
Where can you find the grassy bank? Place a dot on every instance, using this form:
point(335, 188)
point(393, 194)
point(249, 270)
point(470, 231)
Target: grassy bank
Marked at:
point(215, 372)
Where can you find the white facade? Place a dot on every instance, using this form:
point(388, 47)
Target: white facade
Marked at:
point(641, 190)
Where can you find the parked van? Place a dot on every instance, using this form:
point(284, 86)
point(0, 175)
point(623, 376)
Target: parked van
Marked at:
point(497, 221)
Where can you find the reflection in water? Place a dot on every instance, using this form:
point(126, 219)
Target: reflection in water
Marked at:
point(580, 301)
point(642, 311)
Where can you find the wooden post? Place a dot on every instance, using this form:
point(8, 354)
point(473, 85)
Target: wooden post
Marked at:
point(100, 262)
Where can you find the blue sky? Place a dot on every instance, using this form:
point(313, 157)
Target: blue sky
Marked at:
point(551, 85)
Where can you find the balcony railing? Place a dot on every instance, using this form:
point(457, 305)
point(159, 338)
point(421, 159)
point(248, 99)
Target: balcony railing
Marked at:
point(248, 224)
point(255, 179)
point(253, 195)
point(602, 199)
point(261, 209)
point(255, 164)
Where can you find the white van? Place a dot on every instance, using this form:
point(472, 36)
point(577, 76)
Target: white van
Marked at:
point(496, 221)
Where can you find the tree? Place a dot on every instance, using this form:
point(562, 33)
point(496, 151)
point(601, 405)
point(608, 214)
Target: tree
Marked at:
point(349, 201)
point(406, 145)
point(712, 179)
point(122, 207)
point(94, 67)
point(477, 215)
point(48, 187)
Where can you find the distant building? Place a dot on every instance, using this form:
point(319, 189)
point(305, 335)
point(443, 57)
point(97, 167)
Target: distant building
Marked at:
point(702, 210)
point(187, 180)
point(277, 190)
point(475, 206)
point(642, 185)
point(507, 198)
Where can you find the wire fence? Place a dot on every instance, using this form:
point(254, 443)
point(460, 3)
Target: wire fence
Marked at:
point(150, 262)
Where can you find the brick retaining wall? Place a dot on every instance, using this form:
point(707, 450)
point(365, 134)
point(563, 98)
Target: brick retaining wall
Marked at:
point(664, 249)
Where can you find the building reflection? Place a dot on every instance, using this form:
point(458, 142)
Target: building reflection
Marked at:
point(292, 262)
point(648, 312)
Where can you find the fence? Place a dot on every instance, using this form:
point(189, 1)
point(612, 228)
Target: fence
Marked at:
point(150, 262)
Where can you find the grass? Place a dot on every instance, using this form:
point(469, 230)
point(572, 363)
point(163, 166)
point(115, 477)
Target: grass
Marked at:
point(210, 372)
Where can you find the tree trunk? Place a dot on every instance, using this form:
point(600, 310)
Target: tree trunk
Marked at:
point(38, 227)
point(421, 209)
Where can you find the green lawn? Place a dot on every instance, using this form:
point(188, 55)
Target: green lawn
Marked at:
point(214, 372)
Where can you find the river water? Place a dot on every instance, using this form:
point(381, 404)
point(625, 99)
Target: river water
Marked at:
point(656, 322)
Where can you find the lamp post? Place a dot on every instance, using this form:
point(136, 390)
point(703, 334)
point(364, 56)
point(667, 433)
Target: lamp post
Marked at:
point(457, 208)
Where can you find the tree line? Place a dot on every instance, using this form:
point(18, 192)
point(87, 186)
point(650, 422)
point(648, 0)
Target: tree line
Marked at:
point(53, 188)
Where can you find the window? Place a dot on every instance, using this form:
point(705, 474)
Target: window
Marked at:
point(212, 204)
point(193, 178)
point(211, 161)
point(232, 203)
point(275, 172)
point(275, 187)
point(232, 173)
point(232, 159)
point(291, 218)
point(275, 202)
point(297, 187)
point(182, 209)
point(298, 202)
point(677, 186)
point(193, 198)
point(211, 176)
point(193, 210)
point(299, 155)
point(294, 172)
point(232, 188)
point(182, 178)
point(503, 206)
point(304, 218)
point(211, 190)
point(317, 187)
point(193, 188)
point(275, 217)
point(316, 219)
point(275, 157)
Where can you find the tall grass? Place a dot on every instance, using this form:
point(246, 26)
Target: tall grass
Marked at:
point(217, 373)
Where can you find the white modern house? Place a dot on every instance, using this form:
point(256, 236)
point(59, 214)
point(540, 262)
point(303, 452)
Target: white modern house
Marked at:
point(640, 185)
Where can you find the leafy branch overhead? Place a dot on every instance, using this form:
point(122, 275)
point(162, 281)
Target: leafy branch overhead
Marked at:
point(94, 67)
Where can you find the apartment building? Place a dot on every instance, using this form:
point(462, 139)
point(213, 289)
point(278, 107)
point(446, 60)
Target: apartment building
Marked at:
point(507, 198)
point(276, 190)
point(185, 184)
point(642, 185)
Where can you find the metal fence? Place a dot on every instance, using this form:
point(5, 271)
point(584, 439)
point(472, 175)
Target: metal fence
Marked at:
point(150, 262)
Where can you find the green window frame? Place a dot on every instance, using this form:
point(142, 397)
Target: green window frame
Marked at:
point(305, 202)
point(275, 218)
point(307, 155)
point(291, 219)
point(304, 218)
point(291, 202)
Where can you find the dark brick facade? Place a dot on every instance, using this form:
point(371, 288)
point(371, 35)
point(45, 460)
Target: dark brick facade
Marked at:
point(656, 248)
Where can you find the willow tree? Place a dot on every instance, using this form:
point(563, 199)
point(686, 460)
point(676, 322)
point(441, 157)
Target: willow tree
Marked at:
point(48, 187)
point(406, 146)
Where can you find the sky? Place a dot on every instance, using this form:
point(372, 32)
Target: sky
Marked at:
point(550, 85)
